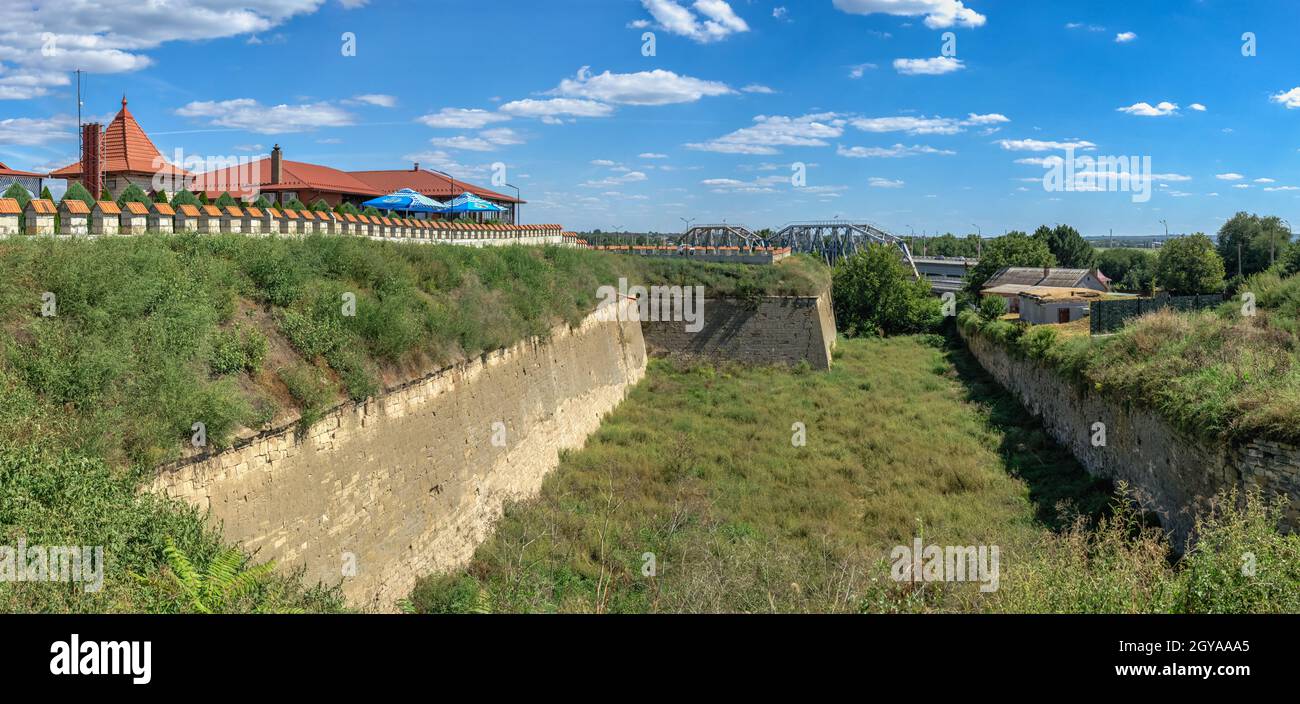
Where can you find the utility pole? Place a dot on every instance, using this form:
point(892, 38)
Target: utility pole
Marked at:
point(1239, 259)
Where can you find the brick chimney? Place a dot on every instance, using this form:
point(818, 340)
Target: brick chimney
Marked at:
point(417, 166)
point(277, 164)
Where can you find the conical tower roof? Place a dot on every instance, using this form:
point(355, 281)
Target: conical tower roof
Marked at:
point(127, 149)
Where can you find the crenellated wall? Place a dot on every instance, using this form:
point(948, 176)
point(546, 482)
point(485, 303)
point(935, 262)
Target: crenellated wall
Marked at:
point(411, 482)
point(1172, 472)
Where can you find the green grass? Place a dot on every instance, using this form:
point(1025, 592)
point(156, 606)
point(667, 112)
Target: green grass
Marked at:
point(698, 467)
point(152, 334)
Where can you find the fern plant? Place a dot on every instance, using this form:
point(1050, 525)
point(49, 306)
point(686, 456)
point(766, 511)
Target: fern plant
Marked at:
point(224, 583)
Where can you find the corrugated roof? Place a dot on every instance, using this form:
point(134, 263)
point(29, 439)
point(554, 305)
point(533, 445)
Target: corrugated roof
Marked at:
point(188, 211)
point(42, 207)
point(135, 208)
point(9, 206)
point(108, 207)
point(74, 206)
point(1057, 294)
point(127, 149)
point(164, 209)
point(1038, 276)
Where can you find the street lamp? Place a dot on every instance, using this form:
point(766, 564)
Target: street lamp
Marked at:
point(518, 206)
point(1288, 238)
point(1166, 224)
point(449, 178)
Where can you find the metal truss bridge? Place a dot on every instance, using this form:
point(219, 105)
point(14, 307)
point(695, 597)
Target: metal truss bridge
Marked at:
point(832, 240)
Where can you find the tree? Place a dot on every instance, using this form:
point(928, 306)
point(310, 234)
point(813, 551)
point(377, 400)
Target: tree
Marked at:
point(1011, 249)
point(104, 195)
point(18, 193)
point(320, 206)
point(370, 210)
point(1068, 246)
point(225, 200)
point(1189, 265)
point(1258, 241)
point(295, 204)
point(46, 195)
point(203, 198)
point(132, 194)
point(184, 198)
point(160, 197)
point(1131, 269)
point(262, 202)
point(874, 294)
point(347, 209)
point(76, 191)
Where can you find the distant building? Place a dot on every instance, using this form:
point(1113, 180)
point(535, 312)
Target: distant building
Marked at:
point(27, 179)
point(1049, 305)
point(1011, 281)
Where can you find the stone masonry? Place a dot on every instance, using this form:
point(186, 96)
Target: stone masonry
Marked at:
point(772, 330)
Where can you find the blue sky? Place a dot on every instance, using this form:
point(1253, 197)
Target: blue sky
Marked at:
point(860, 95)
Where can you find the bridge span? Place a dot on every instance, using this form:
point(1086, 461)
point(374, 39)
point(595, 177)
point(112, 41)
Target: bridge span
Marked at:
point(832, 240)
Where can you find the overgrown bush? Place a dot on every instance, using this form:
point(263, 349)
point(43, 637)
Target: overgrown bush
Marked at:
point(874, 294)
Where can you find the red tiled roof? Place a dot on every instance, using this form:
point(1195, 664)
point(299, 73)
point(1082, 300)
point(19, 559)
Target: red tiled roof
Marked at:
point(273, 212)
point(74, 206)
point(307, 214)
point(291, 214)
point(234, 212)
point(349, 217)
point(251, 178)
point(127, 149)
point(108, 207)
point(41, 206)
point(9, 206)
point(164, 209)
point(135, 208)
point(253, 212)
point(425, 182)
point(211, 211)
point(189, 211)
point(6, 171)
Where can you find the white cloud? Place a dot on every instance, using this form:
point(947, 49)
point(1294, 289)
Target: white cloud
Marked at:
point(1290, 98)
point(1282, 188)
point(1264, 180)
point(603, 162)
point(503, 136)
point(1038, 145)
point(652, 155)
point(757, 88)
point(938, 13)
point(780, 13)
point(769, 132)
point(936, 66)
point(657, 87)
point(35, 132)
point(1125, 37)
point(462, 118)
point(1230, 176)
point(248, 114)
point(1197, 107)
point(856, 72)
point(486, 141)
point(1162, 109)
point(612, 181)
point(877, 182)
point(554, 109)
point(896, 151)
point(377, 99)
point(716, 20)
point(110, 36)
point(925, 125)
point(1089, 27)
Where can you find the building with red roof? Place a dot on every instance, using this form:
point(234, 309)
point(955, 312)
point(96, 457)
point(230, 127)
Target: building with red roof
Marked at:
point(27, 179)
point(129, 157)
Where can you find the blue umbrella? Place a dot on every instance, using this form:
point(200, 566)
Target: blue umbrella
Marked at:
point(470, 203)
point(406, 200)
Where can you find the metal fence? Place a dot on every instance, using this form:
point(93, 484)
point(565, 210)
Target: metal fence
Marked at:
point(1109, 316)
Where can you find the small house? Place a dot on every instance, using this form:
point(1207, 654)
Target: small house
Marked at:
point(272, 221)
point(187, 218)
point(252, 220)
point(310, 223)
point(9, 216)
point(210, 220)
point(346, 224)
point(135, 218)
point(365, 226)
point(105, 219)
point(232, 220)
point(292, 223)
point(162, 218)
point(1008, 282)
point(74, 217)
point(39, 217)
point(1048, 305)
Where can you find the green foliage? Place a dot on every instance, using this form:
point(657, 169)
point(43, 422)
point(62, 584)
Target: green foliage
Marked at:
point(946, 245)
point(46, 195)
point(1189, 265)
point(236, 350)
point(295, 204)
point(320, 206)
point(132, 194)
point(225, 581)
point(874, 294)
point(992, 307)
point(1132, 270)
point(370, 210)
point(1252, 243)
point(18, 193)
point(76, 191)
point(203, 198)
point(309, 389)
point(185, 198)
point(1011, 249)
point(262, 202)
point(1067, 246)
point(347, 209)
point(160, 197)
point(225, 200)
